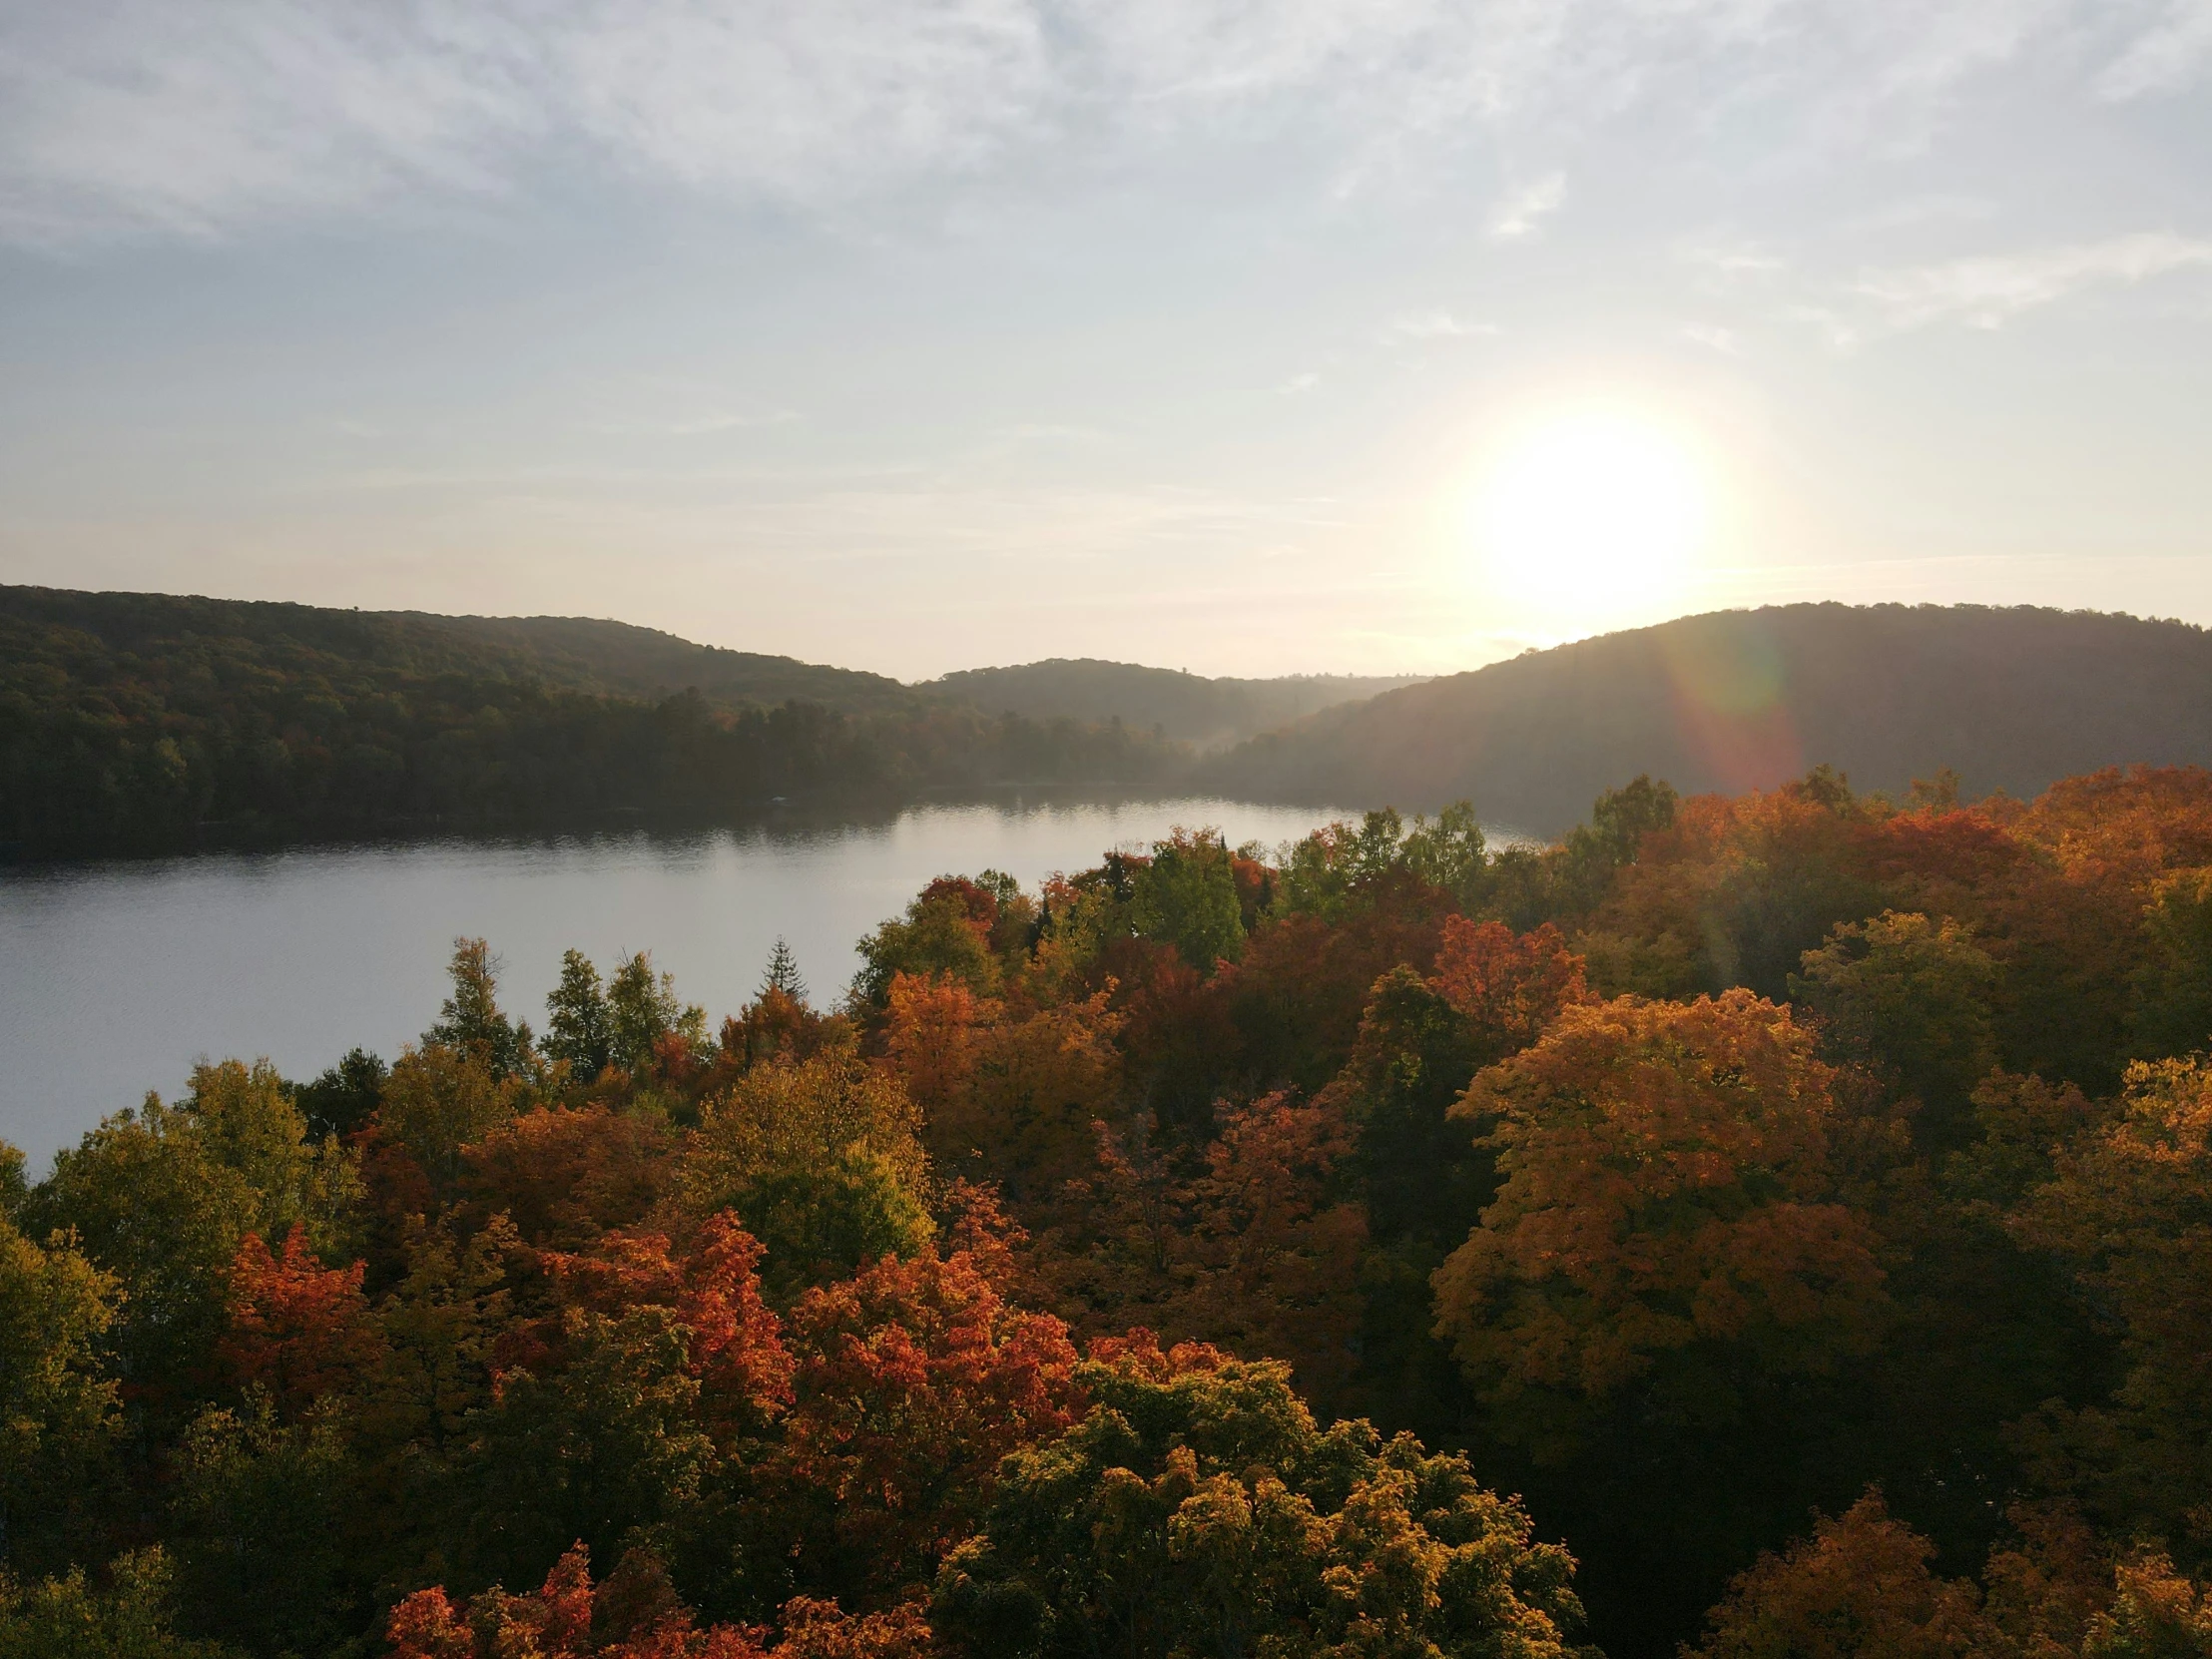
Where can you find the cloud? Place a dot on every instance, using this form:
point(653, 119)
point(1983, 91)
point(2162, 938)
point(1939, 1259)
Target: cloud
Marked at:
point(1521, 213)
point(139, 115)
point(1297, 384)
point(2168, 57)
point(1990, 290)
point(146, 116)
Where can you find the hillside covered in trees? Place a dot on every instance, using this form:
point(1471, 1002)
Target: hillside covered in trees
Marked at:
point(619, 659)
point(142, 722)
point(2011, 699)
point(1184, 706)
point(1777, 1224)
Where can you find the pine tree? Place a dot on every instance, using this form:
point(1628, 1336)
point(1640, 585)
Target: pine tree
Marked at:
point(782, 973)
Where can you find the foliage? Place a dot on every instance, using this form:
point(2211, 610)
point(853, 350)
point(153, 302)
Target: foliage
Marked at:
point(159, 1199)
point(470, 1022)
point(823, 1160)
point(130, 1617)
point(340, 1101)
point(1911, 997)
point(58, 1407)
point(441, 1100)
point(1519, 1149)
point(2172, 1011)
point(578, 1029)
point(1198, 1508)
point(946, 934)
point(1860, 1586)
point(2130, 1208)
point(1186, 895)
point(1669, 1185)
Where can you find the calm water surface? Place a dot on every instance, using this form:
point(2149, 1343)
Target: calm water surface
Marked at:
point(114, 977)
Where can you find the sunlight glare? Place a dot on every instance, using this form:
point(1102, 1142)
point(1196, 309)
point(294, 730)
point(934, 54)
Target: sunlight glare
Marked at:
point(1591, 516)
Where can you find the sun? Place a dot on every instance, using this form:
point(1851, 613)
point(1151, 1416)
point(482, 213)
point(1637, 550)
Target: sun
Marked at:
point(1590, 516)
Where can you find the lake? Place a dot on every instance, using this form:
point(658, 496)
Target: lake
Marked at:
point(116, 976)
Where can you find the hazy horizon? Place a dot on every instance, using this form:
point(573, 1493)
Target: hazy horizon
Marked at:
point(1247, 339)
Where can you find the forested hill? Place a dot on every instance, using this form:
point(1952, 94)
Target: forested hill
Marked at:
point(1184, 706)
point(145, 723)
point(619, 659)
point(2011, 699)
point(574, 653)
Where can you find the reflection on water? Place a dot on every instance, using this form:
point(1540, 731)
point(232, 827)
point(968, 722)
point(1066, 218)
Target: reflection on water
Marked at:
point(114, 977)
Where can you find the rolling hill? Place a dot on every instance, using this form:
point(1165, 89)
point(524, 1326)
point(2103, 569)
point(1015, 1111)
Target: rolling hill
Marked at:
point(1188, 707)
point(2012, 699)
point(620, 659)
point(145, 723)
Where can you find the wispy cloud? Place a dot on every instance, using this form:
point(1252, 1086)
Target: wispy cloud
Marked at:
point(132, 116)
point(139, 115)
point(1529, 206)
point(1990, 290)
point(2168, 57)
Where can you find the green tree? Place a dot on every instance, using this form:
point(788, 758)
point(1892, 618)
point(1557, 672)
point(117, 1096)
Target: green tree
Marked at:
point(161, 1197)
point(782, 972)
point(1451, 853)
point(1199, 1509)
point(606, 1446)
point(1421, 1177)
point(1911, 996)
point(2131, 1212)
point(441, 1100)
point(579, 1025)
point(69, 1618)
point(58, 1416)
point(643, 1008)
point(1187, 896)
point(823, 1161)
point(276, 1549)
point(939, 935)
point(1322, 873)
point(470, 1018)
point(2172, 1002)
point(342, 1100)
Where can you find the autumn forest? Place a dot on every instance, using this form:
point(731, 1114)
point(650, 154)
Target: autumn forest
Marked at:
point(1765, 1224)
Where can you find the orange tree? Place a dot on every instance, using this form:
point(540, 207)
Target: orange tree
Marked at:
point(1647, 1309)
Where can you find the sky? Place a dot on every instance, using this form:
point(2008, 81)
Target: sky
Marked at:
point(1243, 338)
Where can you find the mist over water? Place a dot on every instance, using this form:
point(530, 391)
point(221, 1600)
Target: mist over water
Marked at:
point(116, 976)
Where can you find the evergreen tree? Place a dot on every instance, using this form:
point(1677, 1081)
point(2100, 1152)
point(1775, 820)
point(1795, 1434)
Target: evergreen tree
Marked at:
point(782, 973)
point(343, 1099)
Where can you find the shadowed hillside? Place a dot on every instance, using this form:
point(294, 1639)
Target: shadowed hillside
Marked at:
point(2012, 699)
point(1186, 707)
point(147, 723)
point(628, 660)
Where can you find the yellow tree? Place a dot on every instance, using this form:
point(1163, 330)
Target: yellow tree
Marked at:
point(1667, 1186)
